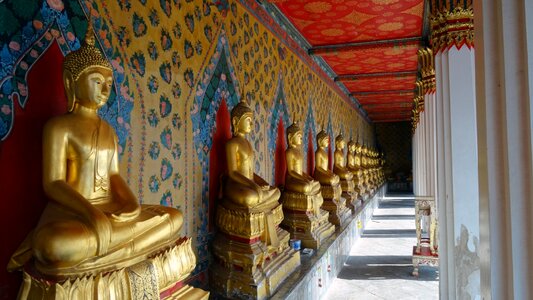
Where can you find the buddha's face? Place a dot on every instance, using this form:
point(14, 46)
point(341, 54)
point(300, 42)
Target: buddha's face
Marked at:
point(296, 139)
point(93, 87)
point(323, 143)
point(244, 124)
point(340, 144)
point(351, 148)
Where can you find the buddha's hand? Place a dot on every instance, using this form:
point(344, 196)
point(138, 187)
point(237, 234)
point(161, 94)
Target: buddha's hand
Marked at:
point(102, 227)
point(127, 213)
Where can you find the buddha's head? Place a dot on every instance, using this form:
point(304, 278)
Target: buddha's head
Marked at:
point(241, 118)
point(339, 142)
point(87, 75)
point(294, 135)
point(358, 148)
point(322, 139)
point(351, 146)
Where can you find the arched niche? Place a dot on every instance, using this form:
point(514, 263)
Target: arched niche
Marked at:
point(216, 94)
point(277, 140)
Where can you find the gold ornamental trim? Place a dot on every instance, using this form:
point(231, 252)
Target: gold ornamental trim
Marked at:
point(245, 224)
point(146, 279)
point(418, 104)
point(452, 28)
point(426, 61)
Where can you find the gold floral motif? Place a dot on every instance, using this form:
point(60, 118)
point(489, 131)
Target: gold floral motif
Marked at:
point(332, 32)
point(390, 26)
point(317, 7)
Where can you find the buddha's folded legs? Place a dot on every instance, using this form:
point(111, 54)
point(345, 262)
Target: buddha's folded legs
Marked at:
point(62, 244)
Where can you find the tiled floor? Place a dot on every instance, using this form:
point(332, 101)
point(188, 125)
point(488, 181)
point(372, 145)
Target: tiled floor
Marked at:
point(380, 266)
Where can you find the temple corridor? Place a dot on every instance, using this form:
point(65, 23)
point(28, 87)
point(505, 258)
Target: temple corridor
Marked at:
point(380, 262)
point(266, 149)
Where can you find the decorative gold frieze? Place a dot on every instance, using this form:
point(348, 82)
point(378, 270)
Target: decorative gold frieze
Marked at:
point(453, 27)
point(145, 280)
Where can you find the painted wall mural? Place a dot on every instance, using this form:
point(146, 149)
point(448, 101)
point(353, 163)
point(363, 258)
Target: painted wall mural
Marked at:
point(174, 62)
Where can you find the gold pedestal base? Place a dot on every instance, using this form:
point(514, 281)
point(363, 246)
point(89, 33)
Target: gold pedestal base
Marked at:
point(307, 223)
point(188, 292)
point(252, 254)
point(339, 214)
point(144, 280)
point(349, 193)
point(244, 269)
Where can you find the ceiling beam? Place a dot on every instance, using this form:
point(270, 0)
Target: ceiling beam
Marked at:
point(348, 77)
point(324, 49)
point(383, 92)
point(390, 113)
point(391, 120)
point(370, 108)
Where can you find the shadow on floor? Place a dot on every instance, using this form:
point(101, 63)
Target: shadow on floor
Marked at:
point(385, 267)
point(401, 203)
point(388, 233)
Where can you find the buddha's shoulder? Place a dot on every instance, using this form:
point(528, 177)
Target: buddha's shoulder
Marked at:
point(59, 122)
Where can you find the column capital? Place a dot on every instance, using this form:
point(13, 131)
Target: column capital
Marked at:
point(452, 27)
point(418, 103)
point(427, 68)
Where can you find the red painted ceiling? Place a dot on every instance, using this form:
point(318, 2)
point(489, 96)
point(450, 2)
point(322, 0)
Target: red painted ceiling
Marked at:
point(380, 83)
point(349, 35)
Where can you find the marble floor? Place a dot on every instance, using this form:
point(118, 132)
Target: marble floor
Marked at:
point(380, 266)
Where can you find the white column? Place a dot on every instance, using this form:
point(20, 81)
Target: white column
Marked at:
point(422, 156)
point(457, 164)
point(446, 262)
point(415, 162)
point(504, 69)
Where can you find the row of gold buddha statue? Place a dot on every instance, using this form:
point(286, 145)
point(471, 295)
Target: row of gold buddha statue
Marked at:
point(95, 241)
point(255, 220)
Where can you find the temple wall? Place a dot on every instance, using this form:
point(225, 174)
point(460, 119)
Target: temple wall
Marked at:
point(174, 62)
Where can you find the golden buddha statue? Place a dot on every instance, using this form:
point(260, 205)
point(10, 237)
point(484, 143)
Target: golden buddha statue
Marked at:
point(252, 251)
point(359, 174)
point(329, 183)
point(301, 197)
point(322, 173)
point(365, 167)
point(93, 232)
point(352, 166)
point(345, 175)
point(242, 186)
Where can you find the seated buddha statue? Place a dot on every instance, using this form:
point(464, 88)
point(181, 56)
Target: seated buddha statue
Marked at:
point(93, 224)
point(251, 250)
point(296, 180)
point(339, 165)
point(322, 173)
point(351, 165)
point(301, 197)
point(350, 157)
point(359, 174)
point(329, 183)
point(242, 186)
point(345, 175)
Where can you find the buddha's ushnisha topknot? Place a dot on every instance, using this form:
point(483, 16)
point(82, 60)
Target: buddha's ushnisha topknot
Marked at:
point(86, 56)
